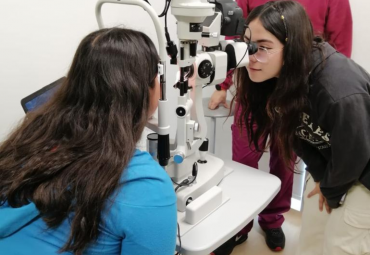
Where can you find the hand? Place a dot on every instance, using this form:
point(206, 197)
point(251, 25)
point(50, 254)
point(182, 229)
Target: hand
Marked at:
point(218, 98)
point(322, 199)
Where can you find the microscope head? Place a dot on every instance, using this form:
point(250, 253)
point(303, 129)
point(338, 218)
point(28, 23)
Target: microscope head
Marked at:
point(232, 22)
point(190, 15)
point(227, 21)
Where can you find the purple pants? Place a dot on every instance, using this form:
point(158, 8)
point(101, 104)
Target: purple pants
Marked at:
point(271, 216)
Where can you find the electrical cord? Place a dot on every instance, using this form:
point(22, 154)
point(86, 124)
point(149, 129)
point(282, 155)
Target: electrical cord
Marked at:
point(171, 46)
point(166, 28)
point(179, 237)
point(188, 181)
point(165, 8)
point(164, 13)
point(249, 43)
point(185, 182)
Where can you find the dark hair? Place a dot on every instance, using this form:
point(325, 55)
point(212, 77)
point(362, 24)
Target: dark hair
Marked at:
point(277, 104)
point(68, 156)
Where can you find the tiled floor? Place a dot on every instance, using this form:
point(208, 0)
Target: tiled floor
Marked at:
point(255, 245)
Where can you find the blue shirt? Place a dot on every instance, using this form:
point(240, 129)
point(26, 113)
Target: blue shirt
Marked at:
point(140, 218)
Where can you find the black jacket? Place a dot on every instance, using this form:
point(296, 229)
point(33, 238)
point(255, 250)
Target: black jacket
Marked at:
point(335, 132)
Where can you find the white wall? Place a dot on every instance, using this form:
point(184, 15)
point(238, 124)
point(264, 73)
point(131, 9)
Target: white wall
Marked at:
point(38, 39)
point(361, 32)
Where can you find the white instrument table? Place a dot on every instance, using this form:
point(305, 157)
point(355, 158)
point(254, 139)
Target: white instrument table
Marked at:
point(250, 191)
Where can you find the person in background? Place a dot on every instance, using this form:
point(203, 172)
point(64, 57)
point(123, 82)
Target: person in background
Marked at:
point(71, 180)
point(332, 20)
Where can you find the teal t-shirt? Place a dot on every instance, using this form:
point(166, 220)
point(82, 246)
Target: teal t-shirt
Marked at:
point(140, 218)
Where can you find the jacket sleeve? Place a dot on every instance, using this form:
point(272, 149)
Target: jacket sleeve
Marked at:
point(228, 82)
point(349, 125)
point(314, 161)
point(338, 27)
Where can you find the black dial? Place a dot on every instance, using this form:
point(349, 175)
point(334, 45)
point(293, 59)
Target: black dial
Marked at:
point(180, 111)
point(205, 69)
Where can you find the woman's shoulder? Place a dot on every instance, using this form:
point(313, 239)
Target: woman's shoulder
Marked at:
point(144, 203)
point(143, 166)
point(338, 77)
point(145, 183)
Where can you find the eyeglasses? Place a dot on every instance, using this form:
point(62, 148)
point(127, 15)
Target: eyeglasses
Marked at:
point(262, 54)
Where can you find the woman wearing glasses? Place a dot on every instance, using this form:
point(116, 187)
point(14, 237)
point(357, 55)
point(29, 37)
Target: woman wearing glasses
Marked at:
point(330, 20)
point(314, 101)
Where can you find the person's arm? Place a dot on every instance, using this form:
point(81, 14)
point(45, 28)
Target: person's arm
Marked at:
point(349, 125)
point(338, 27)
point(316, 166)
point(228, 81)
point(218, 98)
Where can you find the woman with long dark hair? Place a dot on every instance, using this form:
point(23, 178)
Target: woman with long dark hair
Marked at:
point(331, 20)
point(71, 180)
point(314, 101)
